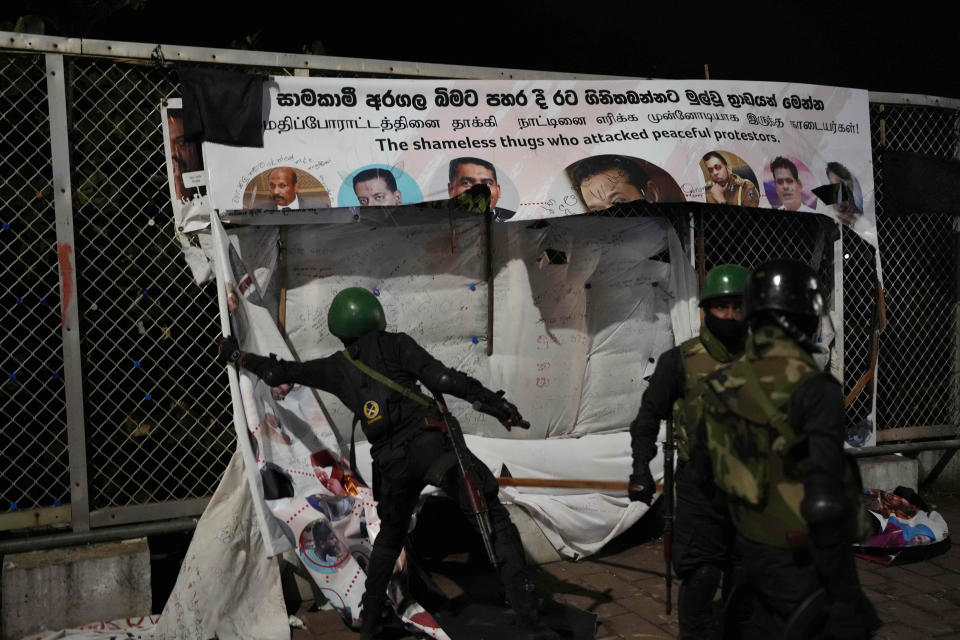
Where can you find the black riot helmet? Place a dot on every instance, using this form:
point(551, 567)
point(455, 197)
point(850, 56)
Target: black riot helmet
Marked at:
point(787, 293)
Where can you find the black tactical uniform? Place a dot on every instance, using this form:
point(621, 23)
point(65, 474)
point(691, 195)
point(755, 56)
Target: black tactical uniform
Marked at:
point(409, 449)
point(703, 534)
point(407, 453)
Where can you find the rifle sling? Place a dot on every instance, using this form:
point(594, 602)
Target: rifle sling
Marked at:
point(775, 418)
point(406, 392)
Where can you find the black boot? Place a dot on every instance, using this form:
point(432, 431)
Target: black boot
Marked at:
point(371, 617)
point(698, 617)
point(528, 603)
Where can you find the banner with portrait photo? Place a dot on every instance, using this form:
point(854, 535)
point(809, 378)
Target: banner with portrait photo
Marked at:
point(553, 148)
point(186, 177)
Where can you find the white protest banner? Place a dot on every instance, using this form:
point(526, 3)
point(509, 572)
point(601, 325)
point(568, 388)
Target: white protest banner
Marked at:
point(554, 148)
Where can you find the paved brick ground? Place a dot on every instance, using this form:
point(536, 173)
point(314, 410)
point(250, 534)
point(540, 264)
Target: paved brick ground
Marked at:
point(624, 586)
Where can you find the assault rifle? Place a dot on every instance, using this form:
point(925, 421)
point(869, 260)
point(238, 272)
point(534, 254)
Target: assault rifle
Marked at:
point(468, 477)
point(669, 446)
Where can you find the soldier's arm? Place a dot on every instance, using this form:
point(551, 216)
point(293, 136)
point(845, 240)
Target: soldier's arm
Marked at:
point(817, 412)
point(321, 373)
point(437, 377)
point(817, 409)
point(666, 385)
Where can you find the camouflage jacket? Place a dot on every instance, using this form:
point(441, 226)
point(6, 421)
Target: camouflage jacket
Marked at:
point(758, 457)
point(700, 356)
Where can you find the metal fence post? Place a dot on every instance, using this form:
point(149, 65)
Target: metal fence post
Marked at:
point(839, 367)
point(69, 317)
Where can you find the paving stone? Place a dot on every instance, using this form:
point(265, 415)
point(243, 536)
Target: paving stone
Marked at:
point(609, 583)
point(644, 605)
point(606, 633)
point(322, 624)
point(632, 625)
point(921, 620)
point(926, 568)
point(901, 584)
point(930, 602)
point(569, 570)
point(629, 568)
point(896, 631)
point(603, 607)
point(950, 560)
point(869, 578)
point(950, 615)
point(950, 580)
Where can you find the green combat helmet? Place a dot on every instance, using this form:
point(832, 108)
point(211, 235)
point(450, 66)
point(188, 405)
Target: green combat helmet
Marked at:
point(722, 281)
point(354, 312)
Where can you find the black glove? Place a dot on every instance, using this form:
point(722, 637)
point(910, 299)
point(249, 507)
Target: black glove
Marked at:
point(228, 351)
point(641, 487)
point(503, 410)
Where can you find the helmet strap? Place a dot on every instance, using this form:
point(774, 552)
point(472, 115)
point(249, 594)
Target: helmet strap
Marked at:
point(803, 338)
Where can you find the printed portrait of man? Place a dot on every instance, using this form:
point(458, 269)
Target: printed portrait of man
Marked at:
point(185, 155)
point(788, 186)
point(726, 184)
point(377, 188)
point(606, 180)
point(467, 172)
point(285, 188)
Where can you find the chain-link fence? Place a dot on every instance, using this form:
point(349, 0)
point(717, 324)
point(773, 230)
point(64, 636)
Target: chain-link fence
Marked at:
point(156, 408)
point(33, 461)
point(917, 378)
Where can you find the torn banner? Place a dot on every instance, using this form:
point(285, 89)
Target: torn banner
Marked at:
point(305, 496)
point(578, 338)
point(574, 339)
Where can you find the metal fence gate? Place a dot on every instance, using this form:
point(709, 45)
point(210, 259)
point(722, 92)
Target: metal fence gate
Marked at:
point(113, 411)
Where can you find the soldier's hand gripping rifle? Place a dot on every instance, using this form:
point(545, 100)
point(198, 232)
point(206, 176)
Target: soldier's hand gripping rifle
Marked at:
point(468, 477)
point(669, 446)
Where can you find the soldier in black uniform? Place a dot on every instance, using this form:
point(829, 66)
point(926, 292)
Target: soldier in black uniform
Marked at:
point(702, 533)
point(408, 451)
point(774, 426)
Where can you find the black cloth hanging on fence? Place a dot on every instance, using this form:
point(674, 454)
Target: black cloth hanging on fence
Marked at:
point(222, 106)
point(914, 182)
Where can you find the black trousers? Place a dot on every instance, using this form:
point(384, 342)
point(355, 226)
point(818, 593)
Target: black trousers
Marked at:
point(403, 473)
point(771, 585)
point(702, 530)
point(702, 550)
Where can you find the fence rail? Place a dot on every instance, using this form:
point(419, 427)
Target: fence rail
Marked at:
point(113, 411)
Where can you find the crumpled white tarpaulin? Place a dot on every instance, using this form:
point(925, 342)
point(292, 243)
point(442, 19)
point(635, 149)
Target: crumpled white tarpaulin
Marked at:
point(583, 306)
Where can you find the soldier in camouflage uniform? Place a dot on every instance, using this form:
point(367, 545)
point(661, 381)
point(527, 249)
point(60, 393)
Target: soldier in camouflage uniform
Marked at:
point(702, 531)
point(774, 427)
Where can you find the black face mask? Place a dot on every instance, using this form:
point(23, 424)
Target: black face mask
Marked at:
point(730, 333)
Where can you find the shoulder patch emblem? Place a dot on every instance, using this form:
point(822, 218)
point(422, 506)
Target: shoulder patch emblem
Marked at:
point(372, 411)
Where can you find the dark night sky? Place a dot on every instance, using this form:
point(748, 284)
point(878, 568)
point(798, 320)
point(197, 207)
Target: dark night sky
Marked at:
point(909, 52)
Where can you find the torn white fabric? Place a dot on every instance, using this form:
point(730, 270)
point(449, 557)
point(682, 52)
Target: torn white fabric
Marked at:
point(228, 586)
